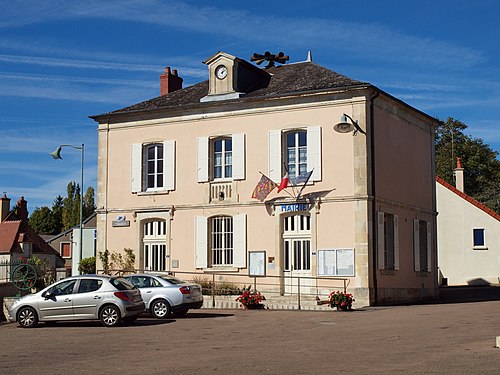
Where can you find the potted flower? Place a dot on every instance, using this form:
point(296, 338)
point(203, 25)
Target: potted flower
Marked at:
point(341, 300)
point(251, 299)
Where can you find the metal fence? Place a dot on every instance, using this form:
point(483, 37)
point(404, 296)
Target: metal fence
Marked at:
point(294, 289)
point(6, 268)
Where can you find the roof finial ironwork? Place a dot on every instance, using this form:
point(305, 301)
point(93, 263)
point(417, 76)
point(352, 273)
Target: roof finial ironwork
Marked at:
point(270, 58)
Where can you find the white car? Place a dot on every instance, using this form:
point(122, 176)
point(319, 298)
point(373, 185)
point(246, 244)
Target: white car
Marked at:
point(164, 294)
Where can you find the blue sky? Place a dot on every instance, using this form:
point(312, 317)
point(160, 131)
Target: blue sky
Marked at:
point(62, 61)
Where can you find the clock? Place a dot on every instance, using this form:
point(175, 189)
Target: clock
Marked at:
point(221, 72)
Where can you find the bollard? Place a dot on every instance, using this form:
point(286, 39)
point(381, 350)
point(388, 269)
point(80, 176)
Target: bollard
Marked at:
point(498, 341)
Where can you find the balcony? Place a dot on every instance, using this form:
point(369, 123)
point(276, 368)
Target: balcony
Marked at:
point(223, 192)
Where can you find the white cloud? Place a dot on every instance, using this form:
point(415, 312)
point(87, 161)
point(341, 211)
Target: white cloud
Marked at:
point(359, 39)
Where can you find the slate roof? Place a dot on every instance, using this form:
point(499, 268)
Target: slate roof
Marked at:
point(286, 80)
point(468, 198)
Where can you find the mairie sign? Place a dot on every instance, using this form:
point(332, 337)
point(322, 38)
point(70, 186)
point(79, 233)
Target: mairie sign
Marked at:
point(293, 207)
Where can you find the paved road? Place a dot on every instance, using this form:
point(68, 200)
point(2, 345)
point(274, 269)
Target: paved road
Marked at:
point(450, 338)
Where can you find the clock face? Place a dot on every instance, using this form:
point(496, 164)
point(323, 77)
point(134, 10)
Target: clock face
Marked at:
point(221, 72)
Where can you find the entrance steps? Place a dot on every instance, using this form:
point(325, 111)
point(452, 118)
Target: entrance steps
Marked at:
point(271, 303)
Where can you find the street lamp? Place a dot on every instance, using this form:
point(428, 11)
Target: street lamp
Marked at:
point(57, 155)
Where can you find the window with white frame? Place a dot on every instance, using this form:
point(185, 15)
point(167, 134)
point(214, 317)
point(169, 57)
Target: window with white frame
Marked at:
point(478, 238)
point(298, 149)
point(221, 158)
point(153, 166)
point(66, 249)
point(155, 245)
point(220, 241)
point(222, 155)
point(388, 241)
point(422, 245)
point(296, 153)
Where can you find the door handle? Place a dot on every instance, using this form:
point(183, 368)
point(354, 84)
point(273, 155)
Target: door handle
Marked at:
point(67, 300)
point(149, 292)
point(97, 297)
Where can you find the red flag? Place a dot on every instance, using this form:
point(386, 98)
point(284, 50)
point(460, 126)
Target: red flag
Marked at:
point(263, 188)
point(284, 182)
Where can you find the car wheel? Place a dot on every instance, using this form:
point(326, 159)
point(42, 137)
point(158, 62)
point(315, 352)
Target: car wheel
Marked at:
point(110, 316)
point(181, 312)
point(27, 317)
point(160, 309)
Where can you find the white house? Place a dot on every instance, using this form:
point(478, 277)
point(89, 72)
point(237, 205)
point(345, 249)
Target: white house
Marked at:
point(468, 236)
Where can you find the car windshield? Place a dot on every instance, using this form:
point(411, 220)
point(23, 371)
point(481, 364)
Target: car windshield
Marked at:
point(121, 284)
point(172, 280)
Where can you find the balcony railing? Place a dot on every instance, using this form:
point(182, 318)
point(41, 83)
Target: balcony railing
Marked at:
point(222, 191)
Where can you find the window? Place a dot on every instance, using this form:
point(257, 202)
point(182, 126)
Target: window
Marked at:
point(422, 245)
point(388, 241)
point(153, 167)
point(145, 282)
point(154, 242)
point(221, 158)
point(296, 153)
point(220, 241)
point(89, 285)
point(63, 288)
point(298, 149)
point(66, 249)
point(478, 238)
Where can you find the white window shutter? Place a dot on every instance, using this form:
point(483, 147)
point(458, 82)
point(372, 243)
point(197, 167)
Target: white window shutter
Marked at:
point(203, 158)
point(136, 168)
point(240, 240)
point(429, 247)
point(396, 242)
point(201, 241)
point(381, 240)
point(275, 155)
point(169, 165)
point(238, 156)
point(314, 152)
point(416, 244)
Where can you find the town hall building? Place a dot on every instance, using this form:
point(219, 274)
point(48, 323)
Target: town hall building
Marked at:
point(189, 180)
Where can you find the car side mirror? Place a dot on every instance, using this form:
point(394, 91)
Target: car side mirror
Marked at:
point(48, 295)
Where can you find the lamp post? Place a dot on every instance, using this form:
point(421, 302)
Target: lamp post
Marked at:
point(57, 155)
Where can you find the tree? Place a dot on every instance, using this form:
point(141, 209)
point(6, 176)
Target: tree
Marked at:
point(57, 209)
point(480, 163)
point(65, 212)
point(42, 221)
point(88, 202)
point(71, 205)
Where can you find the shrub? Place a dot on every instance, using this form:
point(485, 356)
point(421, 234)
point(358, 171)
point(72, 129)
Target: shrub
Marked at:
point(87, 265)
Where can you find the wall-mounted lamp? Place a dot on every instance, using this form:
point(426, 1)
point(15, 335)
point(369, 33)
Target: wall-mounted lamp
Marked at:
point(346, 127)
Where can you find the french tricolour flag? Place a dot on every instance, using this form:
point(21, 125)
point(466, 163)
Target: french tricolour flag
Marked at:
point(284, 182)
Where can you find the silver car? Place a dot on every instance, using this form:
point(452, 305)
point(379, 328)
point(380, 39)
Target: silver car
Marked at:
point(108, 299)
point(164, 294)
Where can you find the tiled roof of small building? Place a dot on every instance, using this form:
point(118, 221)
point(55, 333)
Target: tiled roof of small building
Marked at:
point(8, 235)
point(286, 80)
point(468, 198)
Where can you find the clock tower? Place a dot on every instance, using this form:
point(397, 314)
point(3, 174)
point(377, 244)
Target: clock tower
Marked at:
point(232, 78)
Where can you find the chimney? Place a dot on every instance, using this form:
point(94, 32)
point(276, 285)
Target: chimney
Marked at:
point(169, 81)
point(22, 210)
point(4, 207)
point(459, 176)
